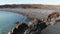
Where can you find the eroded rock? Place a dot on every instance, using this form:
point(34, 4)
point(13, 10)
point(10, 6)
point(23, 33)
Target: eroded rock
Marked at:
point(35, 27)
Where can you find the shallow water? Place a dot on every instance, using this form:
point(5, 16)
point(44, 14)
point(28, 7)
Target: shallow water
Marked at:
point(8, 20)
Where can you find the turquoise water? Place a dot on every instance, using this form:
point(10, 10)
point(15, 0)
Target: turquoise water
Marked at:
point(8, 20)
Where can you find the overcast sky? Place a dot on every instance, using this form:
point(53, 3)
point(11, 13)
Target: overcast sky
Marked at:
point(49, 2)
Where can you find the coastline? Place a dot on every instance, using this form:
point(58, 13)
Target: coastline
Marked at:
point(36, 13)
point(31, 13)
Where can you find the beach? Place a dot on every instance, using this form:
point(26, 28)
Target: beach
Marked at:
point(29, 12)
point(37, 13)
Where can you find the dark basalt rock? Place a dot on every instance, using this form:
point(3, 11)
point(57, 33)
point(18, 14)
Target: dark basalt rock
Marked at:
point(21, 29)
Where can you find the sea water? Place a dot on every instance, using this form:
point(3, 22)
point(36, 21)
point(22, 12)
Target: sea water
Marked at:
point(8, 20)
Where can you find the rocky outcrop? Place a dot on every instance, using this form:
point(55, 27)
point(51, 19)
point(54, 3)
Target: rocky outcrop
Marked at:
point(53, 17)
point(34, 27)
point(19, 29)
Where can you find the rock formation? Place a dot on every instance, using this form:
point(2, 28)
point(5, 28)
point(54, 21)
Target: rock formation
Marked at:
point(36, 25)
point(19, 29)
point(53, 18)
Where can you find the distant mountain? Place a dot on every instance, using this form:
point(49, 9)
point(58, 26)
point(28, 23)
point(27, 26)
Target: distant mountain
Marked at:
point(38, 6)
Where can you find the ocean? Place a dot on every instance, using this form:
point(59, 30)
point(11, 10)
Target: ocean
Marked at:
point(8, 20)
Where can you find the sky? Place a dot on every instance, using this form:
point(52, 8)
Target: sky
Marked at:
point(46, 2)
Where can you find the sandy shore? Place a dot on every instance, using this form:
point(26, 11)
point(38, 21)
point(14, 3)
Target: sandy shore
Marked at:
point(37, 13)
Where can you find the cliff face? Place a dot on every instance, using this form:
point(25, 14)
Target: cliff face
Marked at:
point(36, 6)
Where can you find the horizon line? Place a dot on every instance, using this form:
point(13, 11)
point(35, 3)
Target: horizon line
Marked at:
point(31, 3)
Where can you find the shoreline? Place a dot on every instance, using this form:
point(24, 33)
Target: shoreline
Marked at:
point(37, 13)
point(31, 13)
